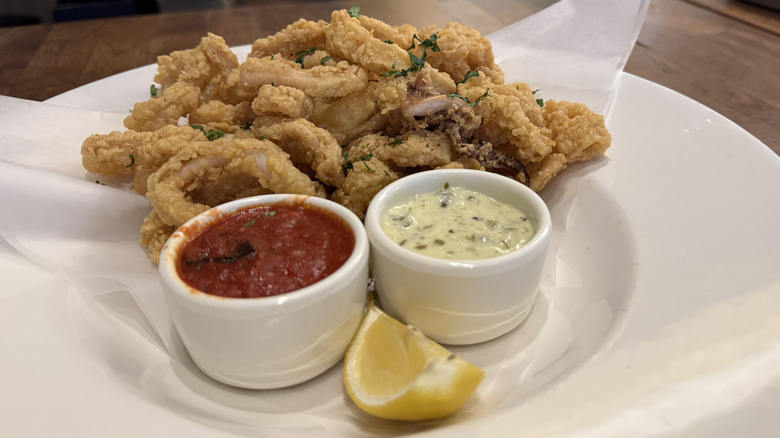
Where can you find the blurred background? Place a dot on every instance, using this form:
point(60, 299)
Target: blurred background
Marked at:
point(20, 12)
point(25, 12)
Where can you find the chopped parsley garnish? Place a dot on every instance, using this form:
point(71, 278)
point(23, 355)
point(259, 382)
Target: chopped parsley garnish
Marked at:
point(539, 102)
point(354, 11)
point(249, 224)
point(388, 42)
point(418, 62)
point(132, 161)
point(270, 213)
point(247, 126)
point(153, 90)
point(466, 99)
point(397, 141)
point(303, 54)
point(469, 74)
point(349, 165)
point(212, 134)
point(325, 59)
point(430, 43)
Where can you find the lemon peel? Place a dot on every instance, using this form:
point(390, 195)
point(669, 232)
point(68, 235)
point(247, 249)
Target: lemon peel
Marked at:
point(394, 371)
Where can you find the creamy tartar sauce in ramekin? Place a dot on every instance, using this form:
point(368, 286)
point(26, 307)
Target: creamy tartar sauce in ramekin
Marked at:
point(457, 223)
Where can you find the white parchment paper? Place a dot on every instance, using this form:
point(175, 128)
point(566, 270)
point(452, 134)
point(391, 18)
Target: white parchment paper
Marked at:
point(86, 228)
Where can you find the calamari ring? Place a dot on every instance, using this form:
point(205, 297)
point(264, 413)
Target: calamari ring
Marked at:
point(294, 38)
point(204, 163)
point(173, 103)
point(307, 145)
point(320, 81)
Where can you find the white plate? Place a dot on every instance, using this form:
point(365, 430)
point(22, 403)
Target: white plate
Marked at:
point(661, 317)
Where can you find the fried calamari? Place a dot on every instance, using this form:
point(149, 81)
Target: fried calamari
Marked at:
point(335, 109)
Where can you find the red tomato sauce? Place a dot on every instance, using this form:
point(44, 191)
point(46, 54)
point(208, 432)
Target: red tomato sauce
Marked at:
point(266, 250)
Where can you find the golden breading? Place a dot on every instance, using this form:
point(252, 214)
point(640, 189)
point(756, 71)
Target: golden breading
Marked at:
point(348, 39)
point(207, 67)
point(401, 35)
point(135, 153)
point(461, 49)
point(296, 37)
point(223, 116)
point(279, 99)
point(358, 113)
point(205, 163)
point(366, 176)
point(505, 122)
point(415, 149)
point(320, 81)
point(307, 145)
point(173, 103)
point(154, 234)
point(578, 132)
point(337, 109)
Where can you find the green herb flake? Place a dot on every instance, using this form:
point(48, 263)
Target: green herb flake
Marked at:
point(369, 169)
point(480, 98)
point(247, 126)
point(397, 141)
point(348, 164)
point(325, 59)
point(354, 11)
point(539, 102)
point(249, 224)
point(211, 135)
point(153, 90)
point(388, 42)
point(132, 161)
point(469, 74)
point(302, 55)
point(430, 43)
point(418, 62)
point(270, 213)
point(214, 134)
point(458, 96)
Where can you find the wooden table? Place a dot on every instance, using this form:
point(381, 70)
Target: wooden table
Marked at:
point(722, 53)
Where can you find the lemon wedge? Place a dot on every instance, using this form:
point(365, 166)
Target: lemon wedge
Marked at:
point(394, 371)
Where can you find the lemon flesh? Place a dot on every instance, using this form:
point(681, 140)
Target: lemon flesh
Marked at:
point(394, 371)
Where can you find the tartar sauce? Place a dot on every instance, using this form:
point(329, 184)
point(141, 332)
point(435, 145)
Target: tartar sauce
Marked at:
point(457, 223)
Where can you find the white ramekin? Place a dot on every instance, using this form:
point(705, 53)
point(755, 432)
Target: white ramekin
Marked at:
point(268, 342)
point(458, 301)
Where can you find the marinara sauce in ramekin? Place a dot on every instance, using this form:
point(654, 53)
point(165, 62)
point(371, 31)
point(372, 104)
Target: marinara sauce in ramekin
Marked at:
point(247, 326)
